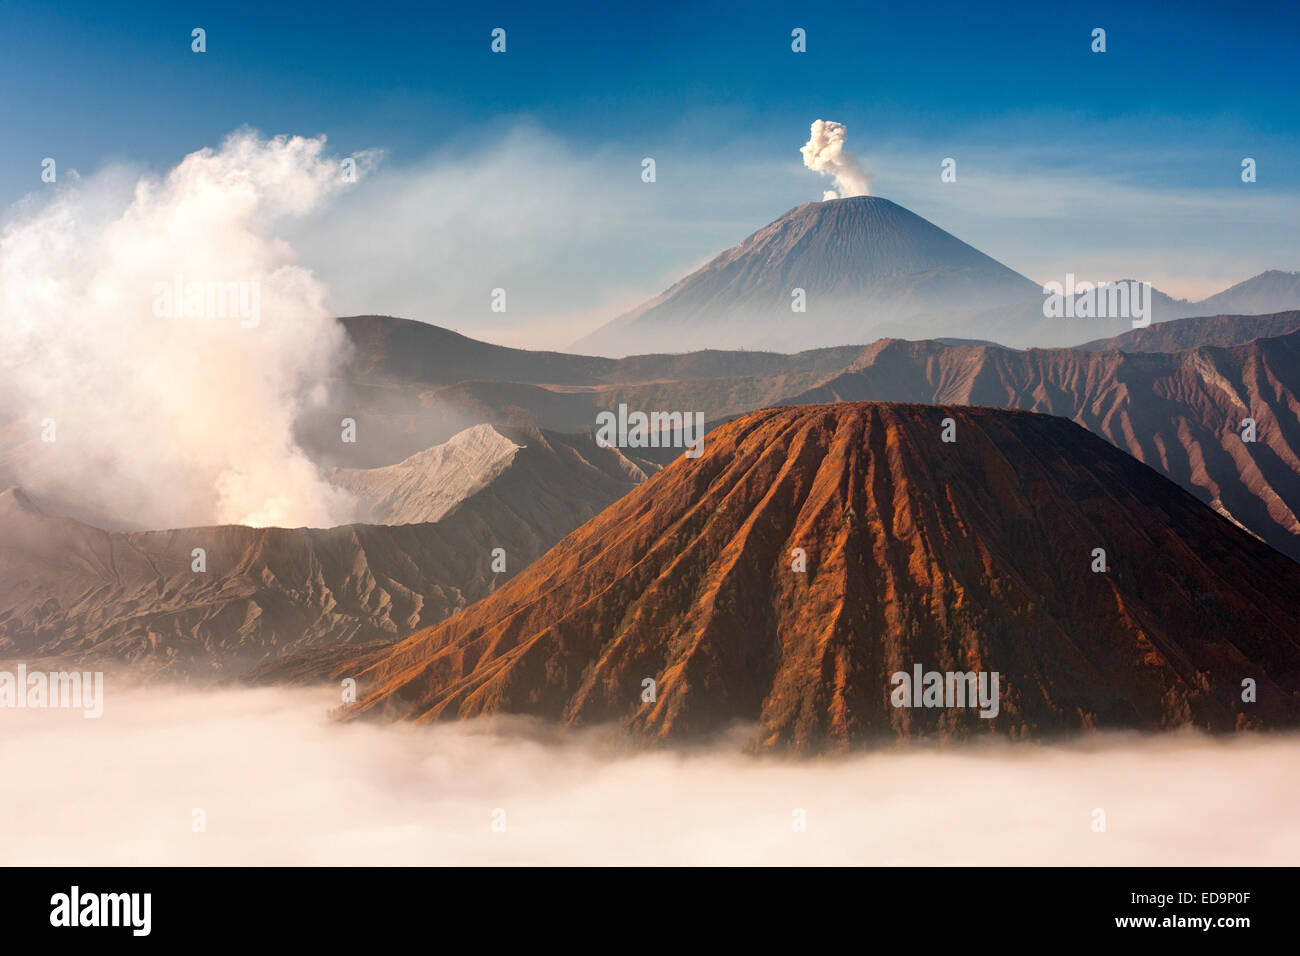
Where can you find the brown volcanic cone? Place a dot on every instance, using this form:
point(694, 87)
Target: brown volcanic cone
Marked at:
point(973, 555)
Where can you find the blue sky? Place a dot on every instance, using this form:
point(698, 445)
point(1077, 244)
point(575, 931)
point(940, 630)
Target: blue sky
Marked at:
point(1114, 163)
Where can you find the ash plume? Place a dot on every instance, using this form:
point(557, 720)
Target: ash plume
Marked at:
point(825, 153)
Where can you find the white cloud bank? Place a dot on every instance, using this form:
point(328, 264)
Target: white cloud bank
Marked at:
point(279, 785)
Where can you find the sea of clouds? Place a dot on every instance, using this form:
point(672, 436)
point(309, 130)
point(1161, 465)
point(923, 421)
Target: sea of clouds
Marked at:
point(277, 783)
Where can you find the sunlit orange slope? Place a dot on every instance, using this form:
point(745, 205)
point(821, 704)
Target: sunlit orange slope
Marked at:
point(970, 555)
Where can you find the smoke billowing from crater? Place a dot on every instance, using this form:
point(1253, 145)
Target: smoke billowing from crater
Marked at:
point(158, 339)
point(825, 153)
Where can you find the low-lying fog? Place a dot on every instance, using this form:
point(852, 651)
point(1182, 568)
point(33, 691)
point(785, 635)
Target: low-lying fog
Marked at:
point(260, 776)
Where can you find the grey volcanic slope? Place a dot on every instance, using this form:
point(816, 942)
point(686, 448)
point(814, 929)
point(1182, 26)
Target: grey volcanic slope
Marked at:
point(84, 595)
point(431, 483)
point(868, 266)
point(553, 479)
point(79, 593)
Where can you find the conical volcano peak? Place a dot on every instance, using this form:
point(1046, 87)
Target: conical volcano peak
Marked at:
point(842, 244)
point(850, 205)
point(811, 554)
point(834, 272)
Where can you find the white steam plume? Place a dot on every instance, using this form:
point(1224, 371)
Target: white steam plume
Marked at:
point(825, 153)
point(170, 411)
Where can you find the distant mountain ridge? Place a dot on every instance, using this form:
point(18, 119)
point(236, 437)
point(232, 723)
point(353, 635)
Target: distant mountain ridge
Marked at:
point(1179, 412)
point(1190, 333)
point(1271, 291)
point(1268, 293)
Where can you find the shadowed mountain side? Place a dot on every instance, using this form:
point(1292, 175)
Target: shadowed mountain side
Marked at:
point(70, 590)
point(1221, 330)
point(389, 350)
point(392, 352)
point(89, 596)
point(967, 556)
point(396, 422)
point(576, 410)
